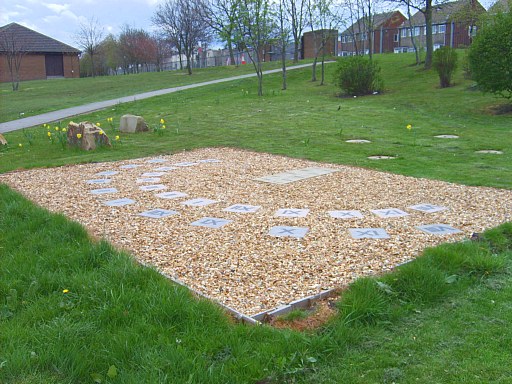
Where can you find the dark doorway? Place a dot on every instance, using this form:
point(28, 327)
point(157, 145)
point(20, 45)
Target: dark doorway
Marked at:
point(54, 65)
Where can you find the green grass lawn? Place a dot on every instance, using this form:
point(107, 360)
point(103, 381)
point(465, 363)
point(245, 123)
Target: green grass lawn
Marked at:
point(443, 318)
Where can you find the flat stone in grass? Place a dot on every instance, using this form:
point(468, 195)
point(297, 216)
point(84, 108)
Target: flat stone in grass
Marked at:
point(389, 212)
point(211, 222)
point(158, 213)
point(346, 214)
point(368, 233)
point(152, 174)
point(381, 157)
point(358, 141)
point(428, 208)
point(98, 181)
point(171, 195)
point(185, 164)
point(438, 229)
point(130, 166)
point(153, 187)
point(285, 231)
point(295, 175)
point(148, 180)
point(209, 161)
point(103, 191)
point(201, 202)
point(156, 161)
point(118, 202)
point(165, 169)
point(447, 136)
point(490, 151)
point(242, 208)
point(292, 212)
point(107, 173)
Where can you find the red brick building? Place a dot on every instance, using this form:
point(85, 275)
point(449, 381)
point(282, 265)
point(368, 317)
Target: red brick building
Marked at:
point(378, 34)
point(42, 57)
point(312, 43)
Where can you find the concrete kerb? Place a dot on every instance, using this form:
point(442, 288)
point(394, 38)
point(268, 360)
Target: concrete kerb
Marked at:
point(49, 117)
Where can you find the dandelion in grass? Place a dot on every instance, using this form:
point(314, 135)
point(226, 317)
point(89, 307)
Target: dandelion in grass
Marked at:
point(20, 145)
point(117, 138)
point(162, 121)
point(65, 291)
point(409, 128)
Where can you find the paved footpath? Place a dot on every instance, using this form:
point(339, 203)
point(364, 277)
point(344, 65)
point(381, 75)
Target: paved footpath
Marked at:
point(79, 110)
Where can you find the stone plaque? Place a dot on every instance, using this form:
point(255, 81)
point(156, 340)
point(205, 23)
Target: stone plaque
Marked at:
point(292, 212)
point(119, 202)
point(156, 161)
point(389, 212)
point(428, 208)
point(284, 231)
point(368, 233)
point(158, 213)
point(201, 202)
point(152, 174)
point(165, 169)
point(148, 180)
point(242, 208)
point(153, 187)
point(209, 161)
point(211, 222)
point(130, 166)
point(438, 229)
point(103, 191)
point(185, 164)
point(99, 181)
point(171, 195)
point(346, 214)
point(107, 173)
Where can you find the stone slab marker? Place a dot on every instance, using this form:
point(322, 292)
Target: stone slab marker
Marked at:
point(132, 124)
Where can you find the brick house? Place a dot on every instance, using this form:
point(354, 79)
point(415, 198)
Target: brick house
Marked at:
point(312, 41)
point(454, 24)
point(43, 57)
point(383, 34)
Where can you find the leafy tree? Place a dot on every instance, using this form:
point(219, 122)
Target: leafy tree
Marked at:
point(444, 62)
point(490, 56)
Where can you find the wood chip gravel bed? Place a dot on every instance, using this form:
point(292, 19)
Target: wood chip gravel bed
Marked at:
point(240, 265)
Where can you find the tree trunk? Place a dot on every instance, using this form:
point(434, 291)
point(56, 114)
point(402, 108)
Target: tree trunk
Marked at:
point(428, 33)
point(189, 64)
point(296, 51)
point(283, 62)
point(323, 70)
point(313, 74)
point(231, 53)
point(413, 41)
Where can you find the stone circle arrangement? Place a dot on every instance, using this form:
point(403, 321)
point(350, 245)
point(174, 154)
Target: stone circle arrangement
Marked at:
point(256, 231)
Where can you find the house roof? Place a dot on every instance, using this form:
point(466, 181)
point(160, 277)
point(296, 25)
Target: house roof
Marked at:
point(378, 21)
point(444, 13)
point(501, 6)
point(30, 41)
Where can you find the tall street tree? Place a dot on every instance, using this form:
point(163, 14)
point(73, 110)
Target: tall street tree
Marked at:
point(297, 12)
point(14, 49)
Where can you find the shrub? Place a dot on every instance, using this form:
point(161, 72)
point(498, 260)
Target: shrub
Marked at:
point(490, 56)
point(444, 62)
point(358, 76)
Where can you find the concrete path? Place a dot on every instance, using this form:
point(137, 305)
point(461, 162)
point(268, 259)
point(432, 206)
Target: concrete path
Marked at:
point(79, 110)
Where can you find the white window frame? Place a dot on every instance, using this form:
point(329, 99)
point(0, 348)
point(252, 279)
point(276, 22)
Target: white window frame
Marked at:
point(396, 37)
point(434, 29)
point(441, 28)
point(403, 32)
point(416, 31)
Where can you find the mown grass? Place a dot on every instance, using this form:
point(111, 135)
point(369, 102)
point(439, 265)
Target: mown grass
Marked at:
point(441, 318)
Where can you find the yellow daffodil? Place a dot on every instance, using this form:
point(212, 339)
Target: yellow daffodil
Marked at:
point(49, 134)
point(78, 135)
point(64, 130)
point(101, 132)
point(56, 128)
point(409, 127)
point(98, 124)
point(65, 290)
point(20, 145)
point(163, 126)
point(162, 121)
point(117, 138)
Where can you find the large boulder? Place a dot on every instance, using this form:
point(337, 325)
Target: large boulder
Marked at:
point(87, 136)
point(132, 124)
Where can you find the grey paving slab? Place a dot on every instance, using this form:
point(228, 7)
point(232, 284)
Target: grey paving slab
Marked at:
point(346, 214)
point(242, 208)
point(103, 191)
point(156, 161)
point(428, 208)
point(165, 169)
point(98, 181)
point(200, 202)
point(438, 229)
point(152, 174)
point(389, 212)
point(292, 212)
point(118, 202)
point(285, 231)
point(158, 213)
point(368, 233)
point(148, 180)
point(211, 222)
point(152, 187)
point(171, 195)
point(32, 121)
point(107, 173)
point(130, 166)
point(185, 164)
point(447, 136)
point(295, 175)
point(209, 161)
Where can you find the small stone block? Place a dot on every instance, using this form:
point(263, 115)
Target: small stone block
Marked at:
point(107, 173)
point(103, 191)
point(171, 195)
point(152, 174)
point(98, 181)
point(438, 229)
point(130, 166)
point(209, 161)
point(242, 208)
point(119, 202)
point(389, 212)
point(428, 208)
point(358, 141)
point(153, 187)
point(198, 202)
point(284, 231)
point(158, 213)
point(165, 169)
point(447, 136)
point(185, 164)
point(148, 180)
point(368, 233)
point(292, 212)
point(211, 222)
point(155, 161)
point(346, 214)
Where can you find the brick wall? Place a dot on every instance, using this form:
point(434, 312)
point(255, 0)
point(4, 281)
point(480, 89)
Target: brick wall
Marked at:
point(33, 67)
point(308, 43)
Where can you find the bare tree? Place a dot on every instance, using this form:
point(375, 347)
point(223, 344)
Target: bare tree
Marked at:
point(256, 30)
point(221, 15)
point(14, 49)
point(282, 40)
point(89, 38)
point(182, 19)
point(297, 12)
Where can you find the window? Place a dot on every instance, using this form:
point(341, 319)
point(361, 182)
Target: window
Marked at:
point(472, 30)
point(434, 29)
point(441, 28)
point(416, 31)
point(363, 36)
point(404, 32)
point(396, 38)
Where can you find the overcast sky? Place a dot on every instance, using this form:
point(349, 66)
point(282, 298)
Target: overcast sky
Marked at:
point(61, 19)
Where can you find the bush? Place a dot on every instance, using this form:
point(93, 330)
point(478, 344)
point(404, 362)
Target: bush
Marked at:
point(490, 56)
point(444, 62)
point(358, 76)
